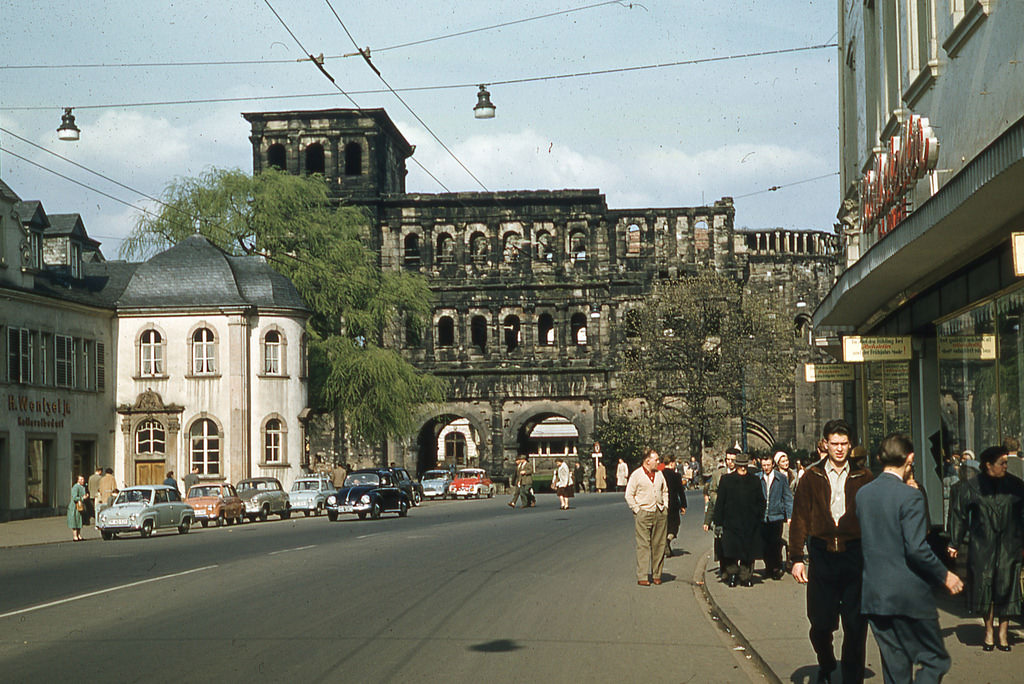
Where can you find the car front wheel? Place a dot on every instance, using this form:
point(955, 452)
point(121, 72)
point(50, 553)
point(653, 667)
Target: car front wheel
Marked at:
point(107, 535)
point(417, 498)
point(147, 528)
point(375, 511)
point(286, 513)
point(403, 509)
point(264, 512)
point(185, 524)
point(332, 516)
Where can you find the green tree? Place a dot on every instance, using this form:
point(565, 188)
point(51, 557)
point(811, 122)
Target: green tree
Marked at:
point(292, 222)
point(700, 352)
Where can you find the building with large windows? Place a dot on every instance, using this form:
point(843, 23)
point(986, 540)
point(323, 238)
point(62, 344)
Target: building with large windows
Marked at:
point(932, 164)
point(193, 358)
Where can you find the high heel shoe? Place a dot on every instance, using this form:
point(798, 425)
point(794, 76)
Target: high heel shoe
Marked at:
point(1005, 648)
point(988, 647)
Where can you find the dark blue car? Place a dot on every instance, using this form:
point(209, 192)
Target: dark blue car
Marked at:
point(370, 491)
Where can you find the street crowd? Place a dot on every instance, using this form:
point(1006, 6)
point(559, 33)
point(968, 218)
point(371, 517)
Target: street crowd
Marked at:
point(860, 543)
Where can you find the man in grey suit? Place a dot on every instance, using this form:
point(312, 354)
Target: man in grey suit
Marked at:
point(899, 568)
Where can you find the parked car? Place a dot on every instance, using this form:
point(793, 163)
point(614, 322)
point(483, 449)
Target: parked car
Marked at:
point(309, 494)
point(215, 502)
point(144, 509)
point(436, 483)
point(472, 482)
point(412, 488)
point(370, 491)
point(264, 496)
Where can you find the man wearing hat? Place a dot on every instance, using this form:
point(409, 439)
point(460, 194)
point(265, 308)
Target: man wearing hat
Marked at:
point(739, 510)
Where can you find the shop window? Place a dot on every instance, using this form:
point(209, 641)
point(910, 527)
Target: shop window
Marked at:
point(276, 157)
point(578, 324)
point(513, 333)
point(150, 438)
point(545, 329)
point(411, 256)
point(478, 333)
point(315, 159)
point(204, 439)
point(151, 357)
point(202, 351)
point(445, 332)
point(38, 473)
point(353, 159)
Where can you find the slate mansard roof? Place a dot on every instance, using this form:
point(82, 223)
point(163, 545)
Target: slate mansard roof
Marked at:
point(195, 273)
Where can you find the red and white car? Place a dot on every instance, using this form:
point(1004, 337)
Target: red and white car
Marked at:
point(472, 482)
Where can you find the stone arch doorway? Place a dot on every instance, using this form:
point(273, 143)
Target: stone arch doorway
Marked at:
point(547, 435)
point(448, 440)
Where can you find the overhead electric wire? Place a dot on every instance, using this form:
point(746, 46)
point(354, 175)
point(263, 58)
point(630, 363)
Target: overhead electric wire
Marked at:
point(250, 62)
point(450, 86)
point(423, 123)
point(775, 188)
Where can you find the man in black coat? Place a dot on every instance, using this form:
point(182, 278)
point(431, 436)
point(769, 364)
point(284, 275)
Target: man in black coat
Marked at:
point(899, 569)
point(739, 510)
point(676, 499)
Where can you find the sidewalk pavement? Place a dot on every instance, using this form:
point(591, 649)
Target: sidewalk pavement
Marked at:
point(41, 531)
point(771, 619)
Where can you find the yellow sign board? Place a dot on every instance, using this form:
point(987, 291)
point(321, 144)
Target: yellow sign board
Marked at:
point(857, 349)
point(968, 347)
point(828, 372)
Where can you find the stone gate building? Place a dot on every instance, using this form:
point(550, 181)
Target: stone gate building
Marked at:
point(533, 289)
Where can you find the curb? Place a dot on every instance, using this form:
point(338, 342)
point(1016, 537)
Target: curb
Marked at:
point(744, 652)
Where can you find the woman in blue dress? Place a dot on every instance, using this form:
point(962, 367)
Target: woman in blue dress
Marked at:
point(78, 496)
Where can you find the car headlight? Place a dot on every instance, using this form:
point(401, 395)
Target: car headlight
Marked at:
point(365, 498)
point(332, 499)
point(134, 516)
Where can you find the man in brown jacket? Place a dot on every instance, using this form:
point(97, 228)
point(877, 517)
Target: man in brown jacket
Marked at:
point(825, 517)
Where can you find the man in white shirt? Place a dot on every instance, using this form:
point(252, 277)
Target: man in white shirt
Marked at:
point(647, 497)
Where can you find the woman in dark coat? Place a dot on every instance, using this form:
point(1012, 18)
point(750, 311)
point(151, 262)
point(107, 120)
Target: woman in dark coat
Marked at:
point(676, 499)
point(739, 510)
point(988, 513)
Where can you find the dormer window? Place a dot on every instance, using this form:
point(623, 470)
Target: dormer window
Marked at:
point(75, 260)
point(36, 250)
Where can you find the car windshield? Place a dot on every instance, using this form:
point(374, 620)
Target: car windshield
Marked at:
point(469, 474)
point(133, 496)
point(247, 486)
point(207, 490)
point(306, 486)
point(356, 479)
point(435, 475)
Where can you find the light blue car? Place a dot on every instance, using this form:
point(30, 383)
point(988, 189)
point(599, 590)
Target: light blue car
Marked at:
point(436, 483)
point(145, 509)
point(309, 494)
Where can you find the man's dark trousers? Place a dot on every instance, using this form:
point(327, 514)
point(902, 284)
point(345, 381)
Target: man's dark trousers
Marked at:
point(771, 543)
point(833, 592)
point(904, 641)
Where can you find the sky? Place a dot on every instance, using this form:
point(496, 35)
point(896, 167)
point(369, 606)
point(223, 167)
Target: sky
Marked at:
point(676, 136)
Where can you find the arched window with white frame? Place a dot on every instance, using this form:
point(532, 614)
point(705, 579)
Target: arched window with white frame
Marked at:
point(151, 353)
point(274, 353)
point(150, 438)
point(204, 447)
point(273, 441)
point(203, 352)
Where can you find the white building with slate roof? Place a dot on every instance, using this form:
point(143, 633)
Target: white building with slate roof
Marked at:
point(192, 358)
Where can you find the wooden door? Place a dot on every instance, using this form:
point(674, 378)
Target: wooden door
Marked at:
point(149, 472)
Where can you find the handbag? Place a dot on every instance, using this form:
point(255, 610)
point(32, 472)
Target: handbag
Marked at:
point(79, 506)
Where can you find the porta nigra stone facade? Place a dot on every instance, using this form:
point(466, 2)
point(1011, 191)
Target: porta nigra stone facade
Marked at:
point(534, 288)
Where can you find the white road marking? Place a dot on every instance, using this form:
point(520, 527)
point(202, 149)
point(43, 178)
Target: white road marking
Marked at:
point(366, 536)
point(105, 591)
point(297, 548)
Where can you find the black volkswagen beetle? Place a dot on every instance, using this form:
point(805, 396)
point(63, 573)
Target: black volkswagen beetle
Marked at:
point(370, 491)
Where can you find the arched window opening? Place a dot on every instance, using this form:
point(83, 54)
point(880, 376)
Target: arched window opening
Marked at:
point(315, 159)
point(633, 240)
point(701, 236)
point(578, 324)
point(545, 252)
point(272, 353)
point(633, 323)
point(150, 438)
point(513, 333)
point(510, 248)
point(152, 348)
point(546, 329)
point(445, 248)
point(578, 246)
point(412, 251)
point(272, 452)
point(204, 449)
point(202, 351)
point(478, 332)
point(353, 159)
point(445, 332)
point(478, 247)
point(276, 157)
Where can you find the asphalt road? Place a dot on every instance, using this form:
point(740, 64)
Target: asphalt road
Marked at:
point(457, 592)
